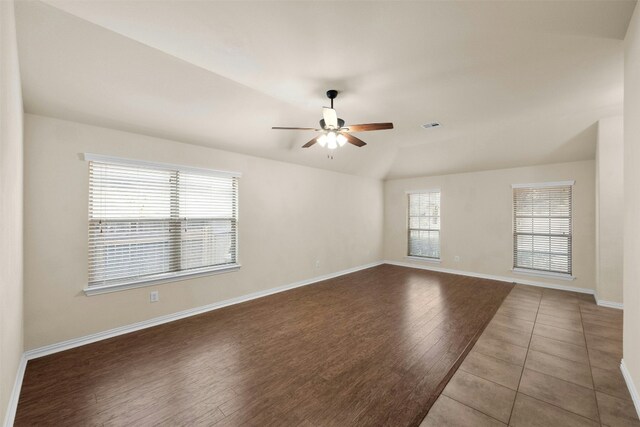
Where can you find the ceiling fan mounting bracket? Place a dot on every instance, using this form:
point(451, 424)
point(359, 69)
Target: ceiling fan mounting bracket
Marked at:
point(332, 94)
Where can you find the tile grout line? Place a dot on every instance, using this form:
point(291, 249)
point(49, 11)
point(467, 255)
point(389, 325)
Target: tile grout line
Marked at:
point(595, 396)
point(557, 340)
point(502, 360)
point(471, 407)
point(562, 379)
point(563, 318)
point(525, 362)
point(560, 357)
point(559, 317)
point(560, 327)
point(486, 379)
point(559, 407)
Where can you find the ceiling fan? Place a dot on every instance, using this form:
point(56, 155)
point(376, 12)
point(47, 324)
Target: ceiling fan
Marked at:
point(334, 133)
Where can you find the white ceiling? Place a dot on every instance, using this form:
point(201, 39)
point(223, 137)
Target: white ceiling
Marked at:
point(513, 83)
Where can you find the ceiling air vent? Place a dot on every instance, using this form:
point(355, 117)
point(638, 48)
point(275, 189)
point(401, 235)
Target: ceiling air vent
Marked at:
point(431, 125)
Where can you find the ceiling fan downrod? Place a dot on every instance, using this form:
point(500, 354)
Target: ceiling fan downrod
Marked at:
point(332, 94)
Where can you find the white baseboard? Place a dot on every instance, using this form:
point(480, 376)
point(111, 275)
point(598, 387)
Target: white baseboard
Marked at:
point(633, 391)
point(491, 277)
point(88, 339)
point(610, 304)
point(12, 406)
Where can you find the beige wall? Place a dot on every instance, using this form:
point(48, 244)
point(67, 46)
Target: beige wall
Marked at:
point(11, 288)
point(631, 287)
point(476, 217)
point(290, 216)
point(609, 209)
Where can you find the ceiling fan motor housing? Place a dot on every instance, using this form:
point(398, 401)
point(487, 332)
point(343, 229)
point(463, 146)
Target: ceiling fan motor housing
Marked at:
point(324, 126)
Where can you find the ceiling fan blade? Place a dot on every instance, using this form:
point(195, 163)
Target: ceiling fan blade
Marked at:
point(353, 140)
point(330, 117)
point(310, 143)
point(287, 128)
point(369, 126)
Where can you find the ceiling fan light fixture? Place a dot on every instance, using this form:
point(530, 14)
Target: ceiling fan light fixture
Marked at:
point(332, 141)
point(322, 140)
point(341, 139)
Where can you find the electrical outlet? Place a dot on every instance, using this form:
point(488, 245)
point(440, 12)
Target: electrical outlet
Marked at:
point(317, 263)
point(154, 296)
point(456, 258)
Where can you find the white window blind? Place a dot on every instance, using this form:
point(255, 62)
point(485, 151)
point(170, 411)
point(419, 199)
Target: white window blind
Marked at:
point(424, 224)
point(542, 228)
point(148, 224)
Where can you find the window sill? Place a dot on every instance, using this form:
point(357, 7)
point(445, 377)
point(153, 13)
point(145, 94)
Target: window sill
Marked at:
point(547, 274)
point(97, 290)
point(423, 259)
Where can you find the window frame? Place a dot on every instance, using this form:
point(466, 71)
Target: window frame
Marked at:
point(409, 229)
point(172, 276)
point(538, 272)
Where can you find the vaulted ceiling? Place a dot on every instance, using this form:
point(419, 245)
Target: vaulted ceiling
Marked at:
point(513, 83)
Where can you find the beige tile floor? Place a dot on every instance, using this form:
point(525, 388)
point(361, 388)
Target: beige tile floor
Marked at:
point(547, 358)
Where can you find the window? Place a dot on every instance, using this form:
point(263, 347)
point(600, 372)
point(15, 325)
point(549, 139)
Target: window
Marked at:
point(157, 222)
point(424, 224)
point(542, 227)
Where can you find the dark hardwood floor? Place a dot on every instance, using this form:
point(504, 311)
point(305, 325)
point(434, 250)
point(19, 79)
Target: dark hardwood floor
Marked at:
point(372, 348)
